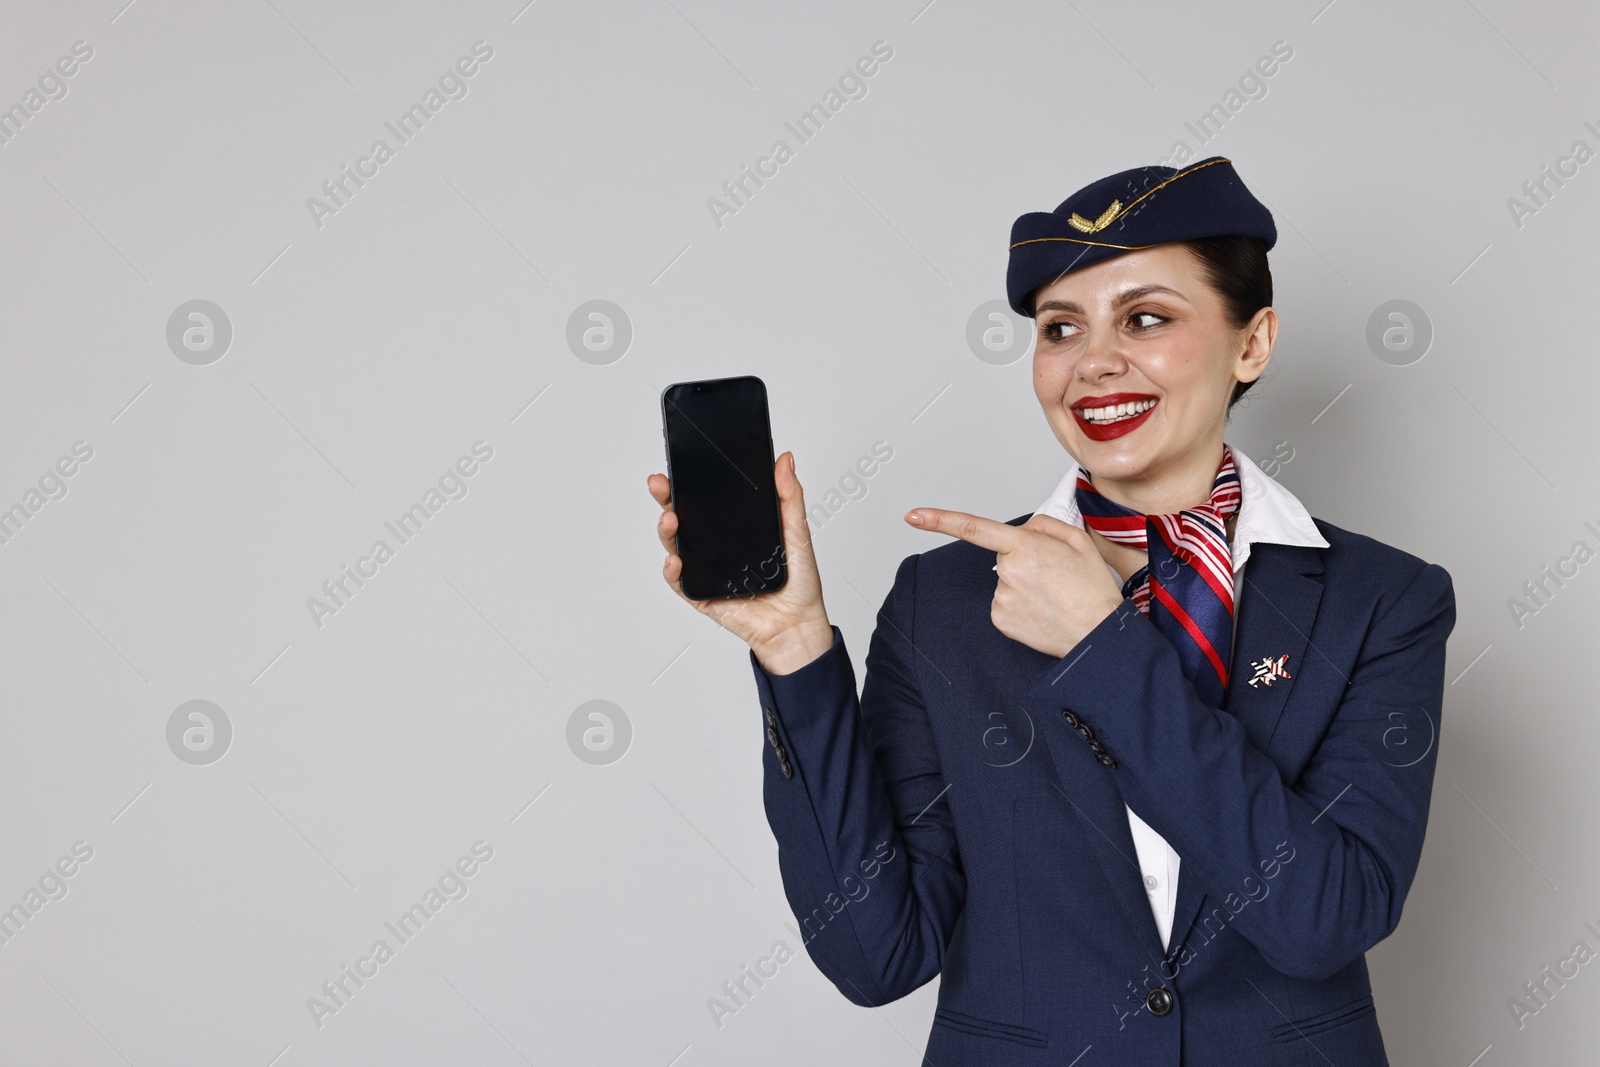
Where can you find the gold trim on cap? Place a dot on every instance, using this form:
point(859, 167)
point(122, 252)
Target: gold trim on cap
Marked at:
point(1116, 211)
point(1076, 241)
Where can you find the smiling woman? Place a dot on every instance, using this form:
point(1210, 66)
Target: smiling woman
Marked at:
point(1181, 354)
point(1182, 722)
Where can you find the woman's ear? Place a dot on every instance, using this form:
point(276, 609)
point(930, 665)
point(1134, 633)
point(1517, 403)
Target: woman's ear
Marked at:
point(1260, 333)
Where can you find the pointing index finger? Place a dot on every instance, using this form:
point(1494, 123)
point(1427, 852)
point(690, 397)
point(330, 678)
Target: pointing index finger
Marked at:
point(985, 533)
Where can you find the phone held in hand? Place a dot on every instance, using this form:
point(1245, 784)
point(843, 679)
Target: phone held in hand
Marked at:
point(719, 465)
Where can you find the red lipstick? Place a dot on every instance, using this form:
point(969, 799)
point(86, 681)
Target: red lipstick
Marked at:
point(1107, 431)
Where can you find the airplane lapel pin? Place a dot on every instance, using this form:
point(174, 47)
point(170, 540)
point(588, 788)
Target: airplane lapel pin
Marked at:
point(1268, 670)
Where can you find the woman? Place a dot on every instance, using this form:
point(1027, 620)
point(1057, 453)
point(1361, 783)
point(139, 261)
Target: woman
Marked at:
point(1170, 664)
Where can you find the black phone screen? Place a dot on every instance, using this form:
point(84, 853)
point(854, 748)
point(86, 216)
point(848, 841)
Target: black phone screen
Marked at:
point(719, 464)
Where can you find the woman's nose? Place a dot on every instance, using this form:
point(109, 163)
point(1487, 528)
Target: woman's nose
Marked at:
point(1100, 358)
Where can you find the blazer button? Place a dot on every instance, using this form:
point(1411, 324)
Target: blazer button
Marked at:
point(784, 765)
point(1109, 761)
point(1097, 748)
point(1087, 731)
point(1072, 720)
point(1159, 1001)
point(772, 720)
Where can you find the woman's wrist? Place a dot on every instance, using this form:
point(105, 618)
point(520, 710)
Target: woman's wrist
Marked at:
point(795, 648)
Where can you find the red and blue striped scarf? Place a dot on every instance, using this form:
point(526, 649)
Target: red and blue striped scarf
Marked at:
point(1186, 586)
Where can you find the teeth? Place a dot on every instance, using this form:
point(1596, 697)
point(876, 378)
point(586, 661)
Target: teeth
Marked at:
point(1116, 412)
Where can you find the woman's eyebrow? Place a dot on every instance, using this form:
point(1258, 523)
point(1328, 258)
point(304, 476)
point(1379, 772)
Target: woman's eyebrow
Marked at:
point(1127, 296)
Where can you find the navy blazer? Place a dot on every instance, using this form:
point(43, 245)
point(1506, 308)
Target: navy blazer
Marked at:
point(964, 817)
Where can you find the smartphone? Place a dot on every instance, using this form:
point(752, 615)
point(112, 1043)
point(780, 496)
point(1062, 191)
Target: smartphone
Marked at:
point(719, 466)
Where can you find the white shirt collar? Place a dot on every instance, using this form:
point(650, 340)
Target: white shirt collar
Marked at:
point(1268, 512)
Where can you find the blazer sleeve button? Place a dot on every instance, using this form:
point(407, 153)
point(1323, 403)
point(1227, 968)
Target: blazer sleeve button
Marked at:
point(1072, 720)
point(1106, 759)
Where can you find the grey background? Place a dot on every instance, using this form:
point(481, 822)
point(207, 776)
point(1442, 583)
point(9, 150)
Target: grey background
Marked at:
point(432, 710)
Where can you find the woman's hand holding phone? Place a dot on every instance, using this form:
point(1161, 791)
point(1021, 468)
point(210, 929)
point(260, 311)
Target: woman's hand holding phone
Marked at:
point(787, 628)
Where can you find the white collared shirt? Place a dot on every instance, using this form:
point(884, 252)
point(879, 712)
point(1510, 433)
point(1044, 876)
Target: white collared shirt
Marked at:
point(1268, 513)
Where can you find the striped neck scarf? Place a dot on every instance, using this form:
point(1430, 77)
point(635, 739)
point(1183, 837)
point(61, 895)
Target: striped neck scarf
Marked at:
point(1192, 606)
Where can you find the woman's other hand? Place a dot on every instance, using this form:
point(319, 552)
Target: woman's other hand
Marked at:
point(787, 628)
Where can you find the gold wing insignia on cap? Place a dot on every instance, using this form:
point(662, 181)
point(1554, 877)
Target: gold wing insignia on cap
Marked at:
point(1078, 222)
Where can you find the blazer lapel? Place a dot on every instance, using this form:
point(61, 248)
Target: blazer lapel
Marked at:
point(1277, 608)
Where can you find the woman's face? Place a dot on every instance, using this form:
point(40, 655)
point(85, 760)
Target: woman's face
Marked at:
point(1144, 333)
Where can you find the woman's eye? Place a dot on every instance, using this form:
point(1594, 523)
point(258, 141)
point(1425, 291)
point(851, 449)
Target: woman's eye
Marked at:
point(1060, 331)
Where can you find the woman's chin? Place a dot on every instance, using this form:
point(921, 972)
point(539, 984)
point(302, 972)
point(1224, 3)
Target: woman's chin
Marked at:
point(1118, 456)
point(1112, 464)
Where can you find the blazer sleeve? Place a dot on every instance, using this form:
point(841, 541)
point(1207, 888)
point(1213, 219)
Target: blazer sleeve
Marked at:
point(855, 797)
point(1353, 818)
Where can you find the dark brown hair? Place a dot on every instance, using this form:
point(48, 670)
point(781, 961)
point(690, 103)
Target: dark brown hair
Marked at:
point(1236, 267)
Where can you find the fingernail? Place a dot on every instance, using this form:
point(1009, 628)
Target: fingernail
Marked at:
point(914, 518)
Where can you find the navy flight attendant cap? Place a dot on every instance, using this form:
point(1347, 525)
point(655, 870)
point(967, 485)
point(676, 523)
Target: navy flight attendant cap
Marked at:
point(1129, 210)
